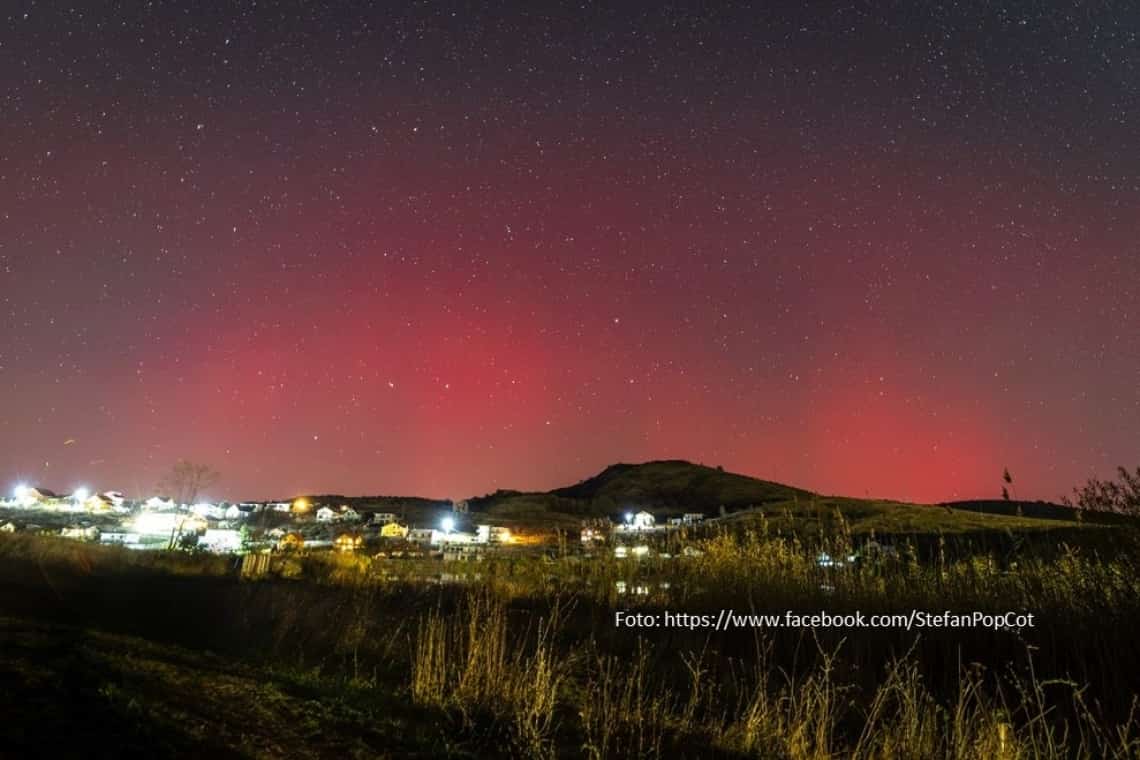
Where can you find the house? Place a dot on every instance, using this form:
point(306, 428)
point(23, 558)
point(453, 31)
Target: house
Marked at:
point(691, 518)
point(282, 506)
point(492, 534)
point(236, 513)
point(159, 504)
point(114, 498)
point(208, 511)
point(349, 514)
point(275, 533)
point(290, 542)
point(8, 527)
point(102, 503)
point(348, 542)
point(444, 538)
point(420, 535)
point(393, 529)
point(383, 518)
point(326, 514)
point(641, 521)
point(32, 497)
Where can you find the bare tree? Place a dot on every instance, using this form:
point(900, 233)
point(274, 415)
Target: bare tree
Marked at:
point(188, 479)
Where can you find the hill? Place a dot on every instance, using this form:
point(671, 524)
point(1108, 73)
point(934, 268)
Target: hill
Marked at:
point(667, 488)
point(678, 485)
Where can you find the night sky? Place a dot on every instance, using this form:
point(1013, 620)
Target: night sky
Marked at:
point(865, 248)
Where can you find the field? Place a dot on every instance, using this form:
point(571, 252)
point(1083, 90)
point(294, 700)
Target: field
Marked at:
point(167, 654)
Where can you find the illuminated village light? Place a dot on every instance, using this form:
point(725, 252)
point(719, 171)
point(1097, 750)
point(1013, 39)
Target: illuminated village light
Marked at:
point(448, 524)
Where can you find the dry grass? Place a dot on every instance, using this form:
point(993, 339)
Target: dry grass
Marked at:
point(468, 662)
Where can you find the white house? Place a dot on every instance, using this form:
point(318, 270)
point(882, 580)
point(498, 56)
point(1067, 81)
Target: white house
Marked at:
point(384, 518)
point(8, 528)
point(690, 518)
point(209, 511)
point(492, 534)
point(159, 504)
point(420, 535)
point(443, 538)
point(236, 513)
point(349, 514)
point(115, 498)
point(102, 502)
point(31, 497)
point(326, 514)
point(642, 521)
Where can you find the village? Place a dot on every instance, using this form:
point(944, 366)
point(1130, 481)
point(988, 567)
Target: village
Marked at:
point(450, 533)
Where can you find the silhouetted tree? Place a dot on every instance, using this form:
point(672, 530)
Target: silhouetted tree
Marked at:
point(186, 480)
point(1122, 496)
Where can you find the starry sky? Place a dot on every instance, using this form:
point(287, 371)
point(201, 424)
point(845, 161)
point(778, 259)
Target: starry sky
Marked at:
point(870, 248)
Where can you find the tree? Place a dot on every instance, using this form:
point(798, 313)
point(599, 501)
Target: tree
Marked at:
point(186, 480)
point(1109, 496)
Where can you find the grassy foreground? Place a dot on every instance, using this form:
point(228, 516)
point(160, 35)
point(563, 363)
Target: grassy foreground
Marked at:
point(109, 652)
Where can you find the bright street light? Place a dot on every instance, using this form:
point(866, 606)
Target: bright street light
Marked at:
point(448, 524)
point(81, 494)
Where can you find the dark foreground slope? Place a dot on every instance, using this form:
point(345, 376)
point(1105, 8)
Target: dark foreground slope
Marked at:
point(75, 692)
